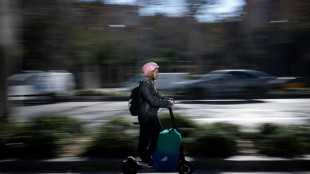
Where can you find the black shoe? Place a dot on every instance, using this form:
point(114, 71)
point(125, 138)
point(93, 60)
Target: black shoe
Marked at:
point(151, 163)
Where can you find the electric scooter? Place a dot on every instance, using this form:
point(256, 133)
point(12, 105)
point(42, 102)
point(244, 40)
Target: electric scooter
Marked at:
point(132, 166)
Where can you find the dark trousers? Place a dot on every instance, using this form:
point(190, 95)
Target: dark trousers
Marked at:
point(149, 133)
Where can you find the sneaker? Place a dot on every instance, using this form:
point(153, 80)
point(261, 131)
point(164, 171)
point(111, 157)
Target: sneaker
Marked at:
point(145, 165)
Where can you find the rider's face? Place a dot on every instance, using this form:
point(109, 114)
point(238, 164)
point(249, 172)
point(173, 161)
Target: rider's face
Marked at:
point(156, 74)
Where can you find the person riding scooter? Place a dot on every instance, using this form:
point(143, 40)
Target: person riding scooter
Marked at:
point(150, 126)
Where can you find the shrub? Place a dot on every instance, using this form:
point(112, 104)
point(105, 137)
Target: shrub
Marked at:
point(57, 124)
point(269, 129)
point(283, 141)
point(89, 93)
point(119, 122)
point(112, 141)
point(213, 140)
point(100, 93)
point(44, 137)
point(226, 127)
point(184, 124)
point(9, 145)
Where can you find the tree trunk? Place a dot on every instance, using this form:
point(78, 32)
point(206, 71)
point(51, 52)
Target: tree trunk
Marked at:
point(3, 85)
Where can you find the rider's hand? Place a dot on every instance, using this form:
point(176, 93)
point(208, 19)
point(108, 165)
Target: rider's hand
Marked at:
point(172, 103)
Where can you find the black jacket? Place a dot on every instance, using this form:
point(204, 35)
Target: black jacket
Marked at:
point(150, 101)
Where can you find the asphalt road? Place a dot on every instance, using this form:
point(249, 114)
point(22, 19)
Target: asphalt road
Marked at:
point(247, 113)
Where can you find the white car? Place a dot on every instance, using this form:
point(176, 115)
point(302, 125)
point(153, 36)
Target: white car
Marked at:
point(40, 85)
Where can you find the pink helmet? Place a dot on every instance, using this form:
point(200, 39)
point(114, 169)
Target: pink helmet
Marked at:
point(151, 66)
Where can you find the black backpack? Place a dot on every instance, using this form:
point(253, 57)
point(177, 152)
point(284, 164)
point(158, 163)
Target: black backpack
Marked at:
point(133, 103)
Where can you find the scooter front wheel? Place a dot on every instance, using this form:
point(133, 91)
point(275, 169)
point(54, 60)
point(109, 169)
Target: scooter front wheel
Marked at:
point(185, 167)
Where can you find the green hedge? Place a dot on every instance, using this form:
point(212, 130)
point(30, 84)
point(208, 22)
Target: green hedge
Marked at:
point(113, 140)
point(43, 137)
point(275, 140)
point(216, 140)
point(57, 124)
point(89, 93)
point(8, 143)
point(100, 93)
point(184, 124)
point(213, 140)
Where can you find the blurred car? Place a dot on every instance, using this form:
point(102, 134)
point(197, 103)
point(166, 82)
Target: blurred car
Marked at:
point(39, 85)
point(166, 81)
point(286, 83)
point(238, 82)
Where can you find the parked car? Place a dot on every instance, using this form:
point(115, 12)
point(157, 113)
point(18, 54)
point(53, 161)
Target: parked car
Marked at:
point(166, 81)
point(38, 86)
point(236, 82)
point(286, 83)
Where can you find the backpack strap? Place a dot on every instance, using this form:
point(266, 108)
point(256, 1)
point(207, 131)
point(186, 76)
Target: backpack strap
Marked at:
point(140, 98)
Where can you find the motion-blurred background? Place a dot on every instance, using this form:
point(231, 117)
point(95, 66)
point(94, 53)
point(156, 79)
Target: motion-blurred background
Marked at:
point(205, 48)
point(104, 43)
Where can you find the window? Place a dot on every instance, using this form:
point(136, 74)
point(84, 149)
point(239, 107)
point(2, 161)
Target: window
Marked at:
point(242, 75)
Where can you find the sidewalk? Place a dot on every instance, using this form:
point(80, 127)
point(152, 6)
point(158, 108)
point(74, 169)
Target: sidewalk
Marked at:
point(235, 163)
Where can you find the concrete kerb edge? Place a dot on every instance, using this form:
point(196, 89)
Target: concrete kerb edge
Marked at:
point(88, 164)
point(61, 165)
point(252, 165)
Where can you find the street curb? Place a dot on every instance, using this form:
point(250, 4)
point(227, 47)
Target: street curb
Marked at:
point(76, 164)
point(253, 163)
point(60, 165)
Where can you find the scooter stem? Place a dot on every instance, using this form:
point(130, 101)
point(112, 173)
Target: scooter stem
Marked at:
point(172, 118)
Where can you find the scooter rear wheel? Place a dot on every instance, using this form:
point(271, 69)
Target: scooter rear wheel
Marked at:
point(130, 166)
point(185, 167)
